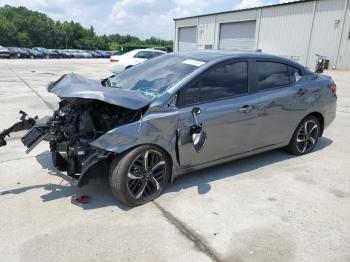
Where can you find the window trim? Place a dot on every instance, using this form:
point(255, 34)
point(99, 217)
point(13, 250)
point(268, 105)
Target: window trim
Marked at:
point(198, 78)
point(135, 56)
point(278, 87)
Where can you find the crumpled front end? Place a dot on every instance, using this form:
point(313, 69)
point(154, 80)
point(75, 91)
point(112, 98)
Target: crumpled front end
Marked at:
point(87, 111)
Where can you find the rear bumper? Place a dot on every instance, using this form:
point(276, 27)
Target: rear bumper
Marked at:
point(330, 113)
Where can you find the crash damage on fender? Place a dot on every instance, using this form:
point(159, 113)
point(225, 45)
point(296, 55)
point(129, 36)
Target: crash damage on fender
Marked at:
point(87, 111)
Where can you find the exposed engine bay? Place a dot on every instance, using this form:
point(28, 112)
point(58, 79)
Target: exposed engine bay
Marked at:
point(76, 124)
point(80, 119)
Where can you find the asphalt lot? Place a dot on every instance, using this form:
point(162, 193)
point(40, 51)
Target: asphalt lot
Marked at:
point(269, 207)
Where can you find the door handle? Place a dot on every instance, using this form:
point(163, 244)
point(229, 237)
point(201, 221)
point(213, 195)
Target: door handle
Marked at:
point(300, 92)
point(245, 109)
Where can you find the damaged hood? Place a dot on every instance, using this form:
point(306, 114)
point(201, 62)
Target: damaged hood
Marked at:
point(77, 86)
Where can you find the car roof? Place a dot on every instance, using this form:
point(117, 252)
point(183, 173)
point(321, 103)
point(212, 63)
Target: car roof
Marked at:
point(213, 55)
point(148, 50)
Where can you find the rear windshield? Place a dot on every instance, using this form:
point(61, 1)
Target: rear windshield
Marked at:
point(154, 77)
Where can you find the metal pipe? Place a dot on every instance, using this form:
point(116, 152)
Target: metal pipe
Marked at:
point(310, 36)
point(341, 36)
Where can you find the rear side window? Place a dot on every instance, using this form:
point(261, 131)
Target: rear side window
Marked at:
point(294, 74)
point(224, 81)
point(143, 54)
point(155, 54)
point(271, 75)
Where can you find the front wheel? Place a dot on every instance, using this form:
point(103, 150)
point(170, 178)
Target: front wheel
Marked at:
point(140, 175)
point(305, 136)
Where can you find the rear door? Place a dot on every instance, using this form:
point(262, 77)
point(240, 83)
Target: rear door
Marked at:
point(276, 95)
point(221, 94)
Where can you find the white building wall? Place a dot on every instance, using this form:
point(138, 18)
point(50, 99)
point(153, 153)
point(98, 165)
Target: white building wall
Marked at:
point(344, 52)
point(285, 30)
point(297, 30)
point(327, 30)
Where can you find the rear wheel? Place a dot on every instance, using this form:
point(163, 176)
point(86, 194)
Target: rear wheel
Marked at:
point(140, 175)
point(305, 136)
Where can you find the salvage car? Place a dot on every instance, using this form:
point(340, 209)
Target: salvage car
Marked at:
point(178, 113)
point(4, 52)
point(119, 63)
point(33, 53)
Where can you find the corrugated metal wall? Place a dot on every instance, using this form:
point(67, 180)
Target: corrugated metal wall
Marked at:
point(326, 30)
point(297, 30)
point(285, 30)
point(344, 52)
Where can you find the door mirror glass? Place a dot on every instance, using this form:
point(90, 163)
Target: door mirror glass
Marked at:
point(199, 137)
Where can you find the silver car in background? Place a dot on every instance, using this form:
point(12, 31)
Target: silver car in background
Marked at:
point(182, 112)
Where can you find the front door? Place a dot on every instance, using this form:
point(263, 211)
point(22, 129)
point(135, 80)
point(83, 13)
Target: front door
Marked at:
point(221, 95)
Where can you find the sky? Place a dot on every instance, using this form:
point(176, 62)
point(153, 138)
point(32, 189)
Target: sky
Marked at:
point(141, 18)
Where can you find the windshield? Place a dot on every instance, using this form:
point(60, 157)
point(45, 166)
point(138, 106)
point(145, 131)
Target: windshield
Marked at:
point(154, 77)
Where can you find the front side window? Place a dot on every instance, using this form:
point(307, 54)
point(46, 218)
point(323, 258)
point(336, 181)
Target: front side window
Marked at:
point(222, 81)
point(272, 75)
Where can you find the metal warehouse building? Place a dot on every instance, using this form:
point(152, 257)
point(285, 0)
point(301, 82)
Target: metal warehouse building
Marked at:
point(297, 30)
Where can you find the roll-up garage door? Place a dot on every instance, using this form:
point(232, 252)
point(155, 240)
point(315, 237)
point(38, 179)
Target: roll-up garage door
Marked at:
point(237, 36)
point(187, 38)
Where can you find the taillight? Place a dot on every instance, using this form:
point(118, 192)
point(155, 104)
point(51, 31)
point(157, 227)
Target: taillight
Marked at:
point(333, 88)
point(113, 60)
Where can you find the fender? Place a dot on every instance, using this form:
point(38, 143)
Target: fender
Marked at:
point(157, 128)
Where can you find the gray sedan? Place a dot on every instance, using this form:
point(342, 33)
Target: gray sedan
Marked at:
point(182, 112)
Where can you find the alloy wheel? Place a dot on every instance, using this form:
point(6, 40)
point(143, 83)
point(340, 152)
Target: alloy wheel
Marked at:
point(307, 136)
point(146, 175)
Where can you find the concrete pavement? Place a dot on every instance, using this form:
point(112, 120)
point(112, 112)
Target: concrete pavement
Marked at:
point(269, 207)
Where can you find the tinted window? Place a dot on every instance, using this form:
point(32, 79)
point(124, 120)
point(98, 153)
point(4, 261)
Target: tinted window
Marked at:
point(294, 74)
point(189, 95)
point(272, 75)
point(155, 54)
point(143, 54)
point(224, 81)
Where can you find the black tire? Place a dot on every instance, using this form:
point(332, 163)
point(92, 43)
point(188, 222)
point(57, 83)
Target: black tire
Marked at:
point(136, 186)
point(304, 142)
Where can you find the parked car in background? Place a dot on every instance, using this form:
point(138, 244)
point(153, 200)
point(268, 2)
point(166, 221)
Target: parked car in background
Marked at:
point(4, 52)
point(33, 53)
point(94, 54)
point(63, 53)
point(102, 53)
point(47, 52)
point(112, 53)
point(54, 53)
point(85, 54)
point(17, 52)
point(115, 53)
point(121, 62)
point(161, 48)
point(75, 53)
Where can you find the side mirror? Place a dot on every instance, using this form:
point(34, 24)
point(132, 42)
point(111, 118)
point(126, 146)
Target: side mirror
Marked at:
point(199, 137)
